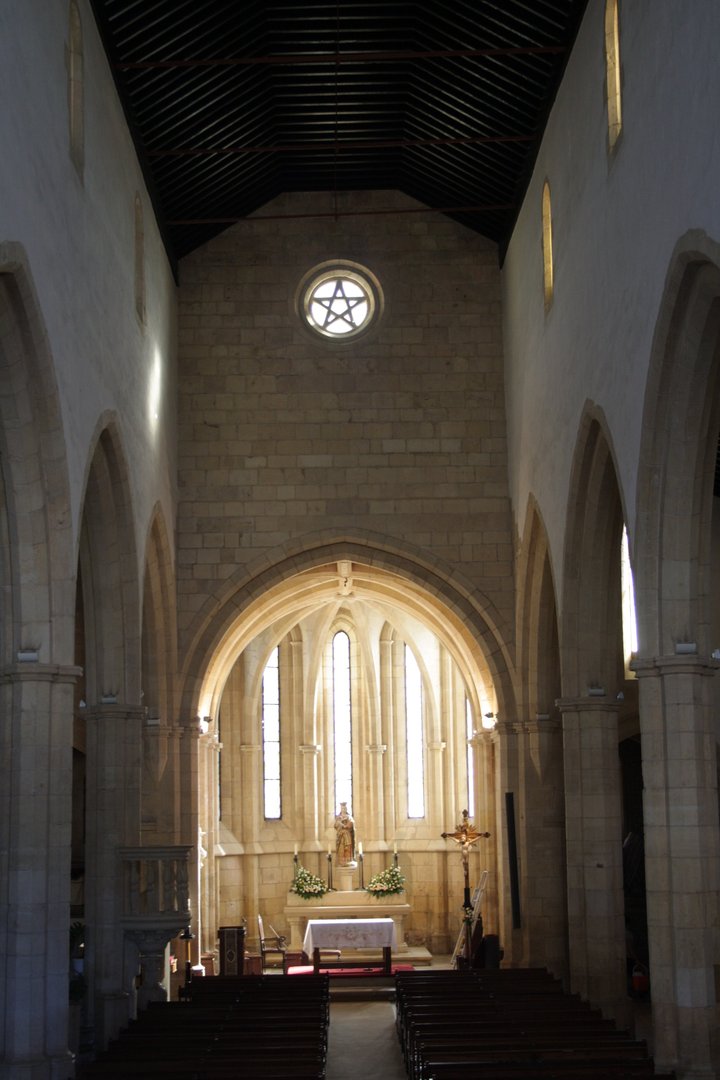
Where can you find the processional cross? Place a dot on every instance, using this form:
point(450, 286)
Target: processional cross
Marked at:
point(465, 836)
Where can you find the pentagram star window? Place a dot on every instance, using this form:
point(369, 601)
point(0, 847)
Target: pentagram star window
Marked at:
point(340, 300)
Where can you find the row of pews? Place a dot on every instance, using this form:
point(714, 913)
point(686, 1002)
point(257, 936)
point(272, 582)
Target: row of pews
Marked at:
point(266, 1027)
point(510, 1024)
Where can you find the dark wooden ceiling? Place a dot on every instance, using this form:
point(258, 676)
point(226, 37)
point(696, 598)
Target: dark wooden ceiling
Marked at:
point(232, 102)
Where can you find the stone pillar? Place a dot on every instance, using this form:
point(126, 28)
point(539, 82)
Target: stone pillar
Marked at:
point(375, 823)
point(593, 824)
point(209, 761)
point(682, 846)
point(190, 816)
point(387, 721)
point(159, 805)
point(36, 754)
point(507, 782)
point(543, 848)
point(486, 819)
point(310, 823)
point(114, 761)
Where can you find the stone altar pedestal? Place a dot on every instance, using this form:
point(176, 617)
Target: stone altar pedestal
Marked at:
point(345, 904)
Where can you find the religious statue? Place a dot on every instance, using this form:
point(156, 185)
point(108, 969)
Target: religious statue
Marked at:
point(344, 837)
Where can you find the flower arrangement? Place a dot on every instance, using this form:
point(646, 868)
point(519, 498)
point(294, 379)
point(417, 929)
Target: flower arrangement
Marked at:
point(388, 882)
point(307, 885)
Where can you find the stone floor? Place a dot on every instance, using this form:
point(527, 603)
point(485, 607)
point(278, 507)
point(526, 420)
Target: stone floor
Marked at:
point(363, 1042)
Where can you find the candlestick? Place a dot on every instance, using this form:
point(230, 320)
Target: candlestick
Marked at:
point(361, 860)
point(330, 869)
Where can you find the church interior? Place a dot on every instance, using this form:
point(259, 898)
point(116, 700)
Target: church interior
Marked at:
point(359, 444)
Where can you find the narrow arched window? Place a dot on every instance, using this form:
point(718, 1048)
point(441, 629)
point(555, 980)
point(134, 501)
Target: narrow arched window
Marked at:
point(76, 105)
point(547, 246)
point(139, 261)
point(469, 735)
point(272, 800)
point(629, 620)
point(342, 719)
point(414, 740)
point(612, 72)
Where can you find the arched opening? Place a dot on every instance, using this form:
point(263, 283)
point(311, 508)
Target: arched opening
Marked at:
point(598, 703)
point(677, 577)
point(412, 671)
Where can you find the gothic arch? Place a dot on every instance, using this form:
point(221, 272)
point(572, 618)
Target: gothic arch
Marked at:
point(159, 637)
point(37, 498)
point(676, 591)
point(108, 569)
point(470, 626)
point(36, 646)
point(681, 422)
point(591, 619)
point(538, 648)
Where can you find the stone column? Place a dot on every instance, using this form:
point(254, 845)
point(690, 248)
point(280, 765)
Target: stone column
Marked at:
point(593, 824)
point(543, 848)
point(36, 752)
point(114, 762)
point(486, 820)
point(375, 825)
point(507, 782)
point(678, 715)
point(190, 816)
point(387, 721)
point(310, 824)
point(209, 754)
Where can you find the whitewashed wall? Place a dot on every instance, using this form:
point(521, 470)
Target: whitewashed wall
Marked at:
point(616, 223)
point(78, 239)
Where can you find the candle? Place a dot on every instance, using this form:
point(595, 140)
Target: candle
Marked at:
point(360, 847)
point(395, 848)
point(295, 851)
point(329, 851)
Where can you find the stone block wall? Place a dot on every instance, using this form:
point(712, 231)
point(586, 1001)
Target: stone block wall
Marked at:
point(400, 434)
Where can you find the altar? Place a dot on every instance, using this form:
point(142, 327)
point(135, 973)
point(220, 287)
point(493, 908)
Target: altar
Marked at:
point(350, 933)
point(346, 905)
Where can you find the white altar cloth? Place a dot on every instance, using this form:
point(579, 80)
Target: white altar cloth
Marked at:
point(351, 933)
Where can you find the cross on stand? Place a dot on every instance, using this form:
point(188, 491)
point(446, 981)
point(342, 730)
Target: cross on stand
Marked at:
point(465, 836)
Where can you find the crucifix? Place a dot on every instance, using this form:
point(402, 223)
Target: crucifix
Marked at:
point(465, 836)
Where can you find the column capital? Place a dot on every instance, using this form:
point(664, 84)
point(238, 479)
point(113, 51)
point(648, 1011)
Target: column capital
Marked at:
point(34, 672)
point(250, 748)
point(310, 748)
point(674, 664)
point(106, 710)
point(599, 703)
point(543, 723)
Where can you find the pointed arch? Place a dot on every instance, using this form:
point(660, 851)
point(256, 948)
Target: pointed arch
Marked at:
point(591, 623)
point(681, 425)
point(463, 618)
point(159, 634)
point(108, 569)
point(539, 680)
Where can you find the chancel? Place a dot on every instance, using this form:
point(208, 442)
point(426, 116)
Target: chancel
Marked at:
point(359, 428)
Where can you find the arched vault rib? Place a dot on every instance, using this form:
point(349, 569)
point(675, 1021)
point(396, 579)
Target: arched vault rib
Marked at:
point(479, 654)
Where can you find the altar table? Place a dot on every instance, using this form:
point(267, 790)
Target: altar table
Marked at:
point(353, 934)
